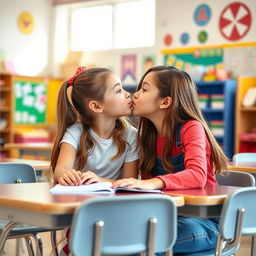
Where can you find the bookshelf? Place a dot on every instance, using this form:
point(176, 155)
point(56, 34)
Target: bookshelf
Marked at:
point(6, 127)
point(245, 118)
point(22, 110)
point(218, 108)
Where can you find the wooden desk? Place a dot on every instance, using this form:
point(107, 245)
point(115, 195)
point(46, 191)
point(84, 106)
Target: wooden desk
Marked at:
point(48, 209)
point(205, 203)
point(32, 203)
point(242, 169)
point(31, 148)
point(36, 198)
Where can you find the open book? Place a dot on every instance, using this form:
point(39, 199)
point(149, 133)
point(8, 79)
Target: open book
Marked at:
point(100, 188)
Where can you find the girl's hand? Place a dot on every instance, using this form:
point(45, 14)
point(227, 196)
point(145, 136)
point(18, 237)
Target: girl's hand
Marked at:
point(70, 178)
point(89, 177)
point(154, 183)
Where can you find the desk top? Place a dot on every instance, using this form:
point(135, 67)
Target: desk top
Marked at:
point(209, 195)
point(29, 146)
point(36, 197)
point(37, 164)
point(242, 168)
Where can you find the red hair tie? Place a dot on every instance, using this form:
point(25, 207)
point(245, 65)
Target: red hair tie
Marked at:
point(79, 70)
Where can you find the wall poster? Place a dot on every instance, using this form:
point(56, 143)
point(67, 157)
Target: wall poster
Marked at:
point(30, 102)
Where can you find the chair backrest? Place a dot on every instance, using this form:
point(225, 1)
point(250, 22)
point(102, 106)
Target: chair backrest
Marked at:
point(128, 225)
point(17, 173)
point(236, 178)
point(243, 198)
point(245, 159)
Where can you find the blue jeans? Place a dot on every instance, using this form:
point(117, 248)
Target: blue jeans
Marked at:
point(195, 235)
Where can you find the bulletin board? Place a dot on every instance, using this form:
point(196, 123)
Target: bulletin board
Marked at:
point(239, 58)
point(186, 58)
point(30, 102)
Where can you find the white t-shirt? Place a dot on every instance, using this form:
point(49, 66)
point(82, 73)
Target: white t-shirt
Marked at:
point(99, 160)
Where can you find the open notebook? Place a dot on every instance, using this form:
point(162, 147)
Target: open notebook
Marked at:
point(100, 188)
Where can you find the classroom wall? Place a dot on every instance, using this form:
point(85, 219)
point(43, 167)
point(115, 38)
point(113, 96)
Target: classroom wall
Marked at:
point(174, 18)
point(26, 54)
point(41, 52)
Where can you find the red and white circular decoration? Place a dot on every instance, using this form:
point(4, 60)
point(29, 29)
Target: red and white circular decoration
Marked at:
point(235, 21)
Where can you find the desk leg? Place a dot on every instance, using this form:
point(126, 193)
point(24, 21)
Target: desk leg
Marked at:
point(5, 233)
point(253, 246)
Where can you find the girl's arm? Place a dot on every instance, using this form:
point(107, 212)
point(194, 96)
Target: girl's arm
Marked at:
point(198, 163)
point(64, 172)
point(131, 169)
point(130, 179)
point(153, 183)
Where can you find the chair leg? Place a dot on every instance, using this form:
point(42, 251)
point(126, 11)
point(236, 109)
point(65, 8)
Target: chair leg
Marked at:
point(220, 246)
point(253, 245)
point(54, 243)
point(39, 244)
point(29, 246)
point(169, 253)
point(4, 234)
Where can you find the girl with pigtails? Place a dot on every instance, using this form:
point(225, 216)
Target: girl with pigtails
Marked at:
point(94, 142)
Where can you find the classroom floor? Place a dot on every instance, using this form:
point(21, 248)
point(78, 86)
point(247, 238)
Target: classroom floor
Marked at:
point(244, 249)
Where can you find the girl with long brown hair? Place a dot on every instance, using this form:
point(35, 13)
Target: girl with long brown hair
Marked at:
point(177, 149)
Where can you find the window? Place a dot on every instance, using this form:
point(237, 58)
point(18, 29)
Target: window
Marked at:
point(134, 24)
point(91, 28)
point(121, 25)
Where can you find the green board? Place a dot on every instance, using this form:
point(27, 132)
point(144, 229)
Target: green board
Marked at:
point(30, 102)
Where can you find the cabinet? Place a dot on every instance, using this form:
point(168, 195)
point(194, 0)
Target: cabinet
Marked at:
point(245, 118)
point(27, 104)
point(6, 130)
point(219, 111)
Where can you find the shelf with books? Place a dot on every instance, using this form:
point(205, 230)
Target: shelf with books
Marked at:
point(217, 101)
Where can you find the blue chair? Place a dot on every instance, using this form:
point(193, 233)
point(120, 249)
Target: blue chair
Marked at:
point(123, 225)
point(237, 218)
point(236, 178)
point(23, 173)
point(245, 159)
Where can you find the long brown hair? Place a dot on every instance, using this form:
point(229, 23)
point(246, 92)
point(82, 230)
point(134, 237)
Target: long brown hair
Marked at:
point(178, 85)
point(90, 84)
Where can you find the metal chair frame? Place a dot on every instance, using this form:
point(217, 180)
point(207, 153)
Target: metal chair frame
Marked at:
point(23, 173)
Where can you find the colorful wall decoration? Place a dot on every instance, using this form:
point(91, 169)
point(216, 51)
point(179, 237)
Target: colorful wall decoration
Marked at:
point(26, 22)
point(186, 58)
point(202, 36)
point(148, 61)
point(30, 102)
point(202, 14)
point(235, 21)
point(232, 59)
point(184, 38)
point(168, 39)
point(128, 69)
